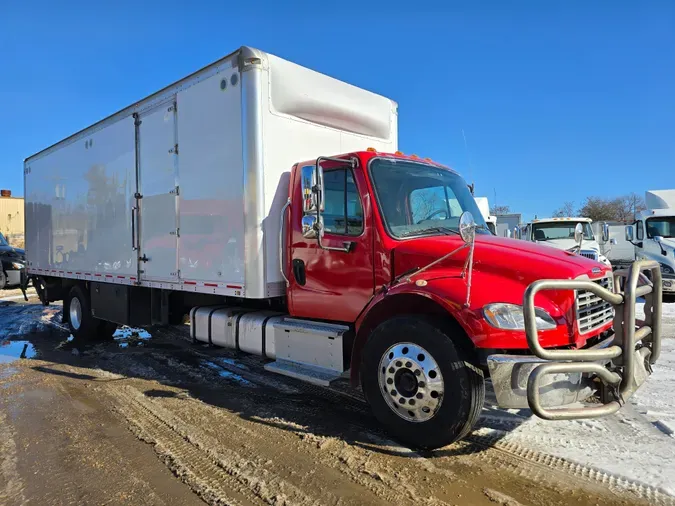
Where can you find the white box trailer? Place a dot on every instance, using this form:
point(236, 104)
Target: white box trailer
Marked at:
point(183, 190)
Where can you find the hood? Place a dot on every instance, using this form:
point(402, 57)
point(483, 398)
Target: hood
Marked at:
point(9, 251)
point(515, 259)
point(668, 242)
point(569, 244)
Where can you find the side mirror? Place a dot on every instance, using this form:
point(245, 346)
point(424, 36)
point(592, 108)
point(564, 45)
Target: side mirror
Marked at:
point(629, 233)
point(311, 229)
point(312, 188)
point(516, 233)
point(605, 232)
point(467, 227)
point(579, 234)
point(658, 238)
point(612, 241)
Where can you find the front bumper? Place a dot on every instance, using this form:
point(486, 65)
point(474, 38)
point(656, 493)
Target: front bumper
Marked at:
point(611, 371)
point(15, 276)
point(668, 284)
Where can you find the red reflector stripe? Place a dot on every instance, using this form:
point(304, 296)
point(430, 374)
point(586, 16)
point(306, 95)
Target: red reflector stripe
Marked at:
point(234, 286)
point(210, 284)
point(190, 282)
point(120, 277)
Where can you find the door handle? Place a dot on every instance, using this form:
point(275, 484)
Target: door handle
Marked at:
point(299, 271)
point(133, 228)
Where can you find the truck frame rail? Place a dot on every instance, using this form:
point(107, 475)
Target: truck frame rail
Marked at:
point(621, 367)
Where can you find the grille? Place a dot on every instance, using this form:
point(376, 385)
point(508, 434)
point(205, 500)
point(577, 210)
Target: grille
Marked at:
point(592, 311)
point(589, 253)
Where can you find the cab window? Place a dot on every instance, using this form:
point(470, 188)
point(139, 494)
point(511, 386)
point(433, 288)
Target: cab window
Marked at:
point(343, 213)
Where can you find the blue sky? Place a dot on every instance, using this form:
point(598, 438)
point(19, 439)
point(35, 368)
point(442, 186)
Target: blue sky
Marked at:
point(558, 100)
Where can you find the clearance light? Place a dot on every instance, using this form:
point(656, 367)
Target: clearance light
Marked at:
point(414, 156)
point(428, 159)
point(372, 150)
point(399, 153)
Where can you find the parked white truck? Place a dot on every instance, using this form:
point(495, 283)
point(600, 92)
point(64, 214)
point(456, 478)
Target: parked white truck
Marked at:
point(559, 233)
point(653, 234)
point(484, 207)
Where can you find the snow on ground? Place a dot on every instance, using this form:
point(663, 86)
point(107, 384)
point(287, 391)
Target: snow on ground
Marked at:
point(637, 443)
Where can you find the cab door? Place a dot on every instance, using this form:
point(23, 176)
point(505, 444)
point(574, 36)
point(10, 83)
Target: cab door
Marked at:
point(327, 284)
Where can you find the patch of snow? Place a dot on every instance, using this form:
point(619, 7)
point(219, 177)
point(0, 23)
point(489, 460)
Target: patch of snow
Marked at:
point(636, 443)
point(127, 332)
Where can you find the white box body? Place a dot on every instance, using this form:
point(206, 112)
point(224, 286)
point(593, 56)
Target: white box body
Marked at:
point(211, 156)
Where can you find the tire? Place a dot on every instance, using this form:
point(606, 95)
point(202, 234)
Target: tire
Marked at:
point(439, 393)
point(81, 323)
point(3, 279)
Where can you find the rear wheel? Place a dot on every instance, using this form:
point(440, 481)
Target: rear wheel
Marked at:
point(420, 384)
point(80, 320)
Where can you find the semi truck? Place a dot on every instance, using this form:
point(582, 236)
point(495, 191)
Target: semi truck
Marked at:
point(653, 234)
point(270, 203)
point(560, 233)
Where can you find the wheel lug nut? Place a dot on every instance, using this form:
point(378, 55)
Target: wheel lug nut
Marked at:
point(390, 381)
point(418, 372)
point(393, 393)
point(408, 365)
point(419, 396)
point(401, 400)
point(392, 370)
point(421, 384)
point(399, 363)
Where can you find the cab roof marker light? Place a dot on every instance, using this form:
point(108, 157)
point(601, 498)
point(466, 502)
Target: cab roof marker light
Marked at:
point(372, 150)
point(399, 153)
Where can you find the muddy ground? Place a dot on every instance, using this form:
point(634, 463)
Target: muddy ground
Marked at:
point(157, 420)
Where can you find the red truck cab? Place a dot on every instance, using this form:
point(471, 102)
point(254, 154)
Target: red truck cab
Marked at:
point(375, 241)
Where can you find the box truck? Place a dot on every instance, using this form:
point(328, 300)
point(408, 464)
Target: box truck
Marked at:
point(269, 202)
point(484, 208)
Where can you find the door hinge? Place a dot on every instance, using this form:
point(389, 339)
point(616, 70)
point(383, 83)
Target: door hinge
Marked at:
point(175, 191)
point(137, 119)
point(176, 273)
point(138, 195)
point(175, 232)
point(174, 150)
point(172, 108)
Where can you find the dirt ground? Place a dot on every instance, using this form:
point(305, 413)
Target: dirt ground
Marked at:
point(157, 420)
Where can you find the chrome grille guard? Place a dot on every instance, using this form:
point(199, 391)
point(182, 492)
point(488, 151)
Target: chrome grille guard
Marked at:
point(621, 367)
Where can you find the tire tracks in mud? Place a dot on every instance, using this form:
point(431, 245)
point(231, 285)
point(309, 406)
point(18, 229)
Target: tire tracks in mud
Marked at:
point(11, 485)
point(218, 477)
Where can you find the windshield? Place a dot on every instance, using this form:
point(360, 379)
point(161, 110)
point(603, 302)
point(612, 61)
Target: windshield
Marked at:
point(665, 227)
point(3, 241)
point(560, 230)
point(419, 199)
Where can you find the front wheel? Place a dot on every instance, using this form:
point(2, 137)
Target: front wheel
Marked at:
point(420, 384)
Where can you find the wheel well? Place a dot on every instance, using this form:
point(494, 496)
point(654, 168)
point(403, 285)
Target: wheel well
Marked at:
point(408, 304)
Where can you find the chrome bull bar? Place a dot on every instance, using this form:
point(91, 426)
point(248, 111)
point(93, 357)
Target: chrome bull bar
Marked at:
point(621, 367)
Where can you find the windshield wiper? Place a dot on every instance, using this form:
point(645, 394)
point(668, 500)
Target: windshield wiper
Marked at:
point(424, 231)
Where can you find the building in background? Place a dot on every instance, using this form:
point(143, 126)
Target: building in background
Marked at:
point(11, 218)
point(507, 222)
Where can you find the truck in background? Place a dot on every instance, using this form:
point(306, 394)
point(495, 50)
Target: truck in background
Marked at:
point(560, 233)
point(653, 234)
point(270, 203)
point(484, 207)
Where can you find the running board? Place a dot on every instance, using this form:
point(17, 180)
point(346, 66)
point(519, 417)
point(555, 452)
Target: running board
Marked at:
point(304, 372)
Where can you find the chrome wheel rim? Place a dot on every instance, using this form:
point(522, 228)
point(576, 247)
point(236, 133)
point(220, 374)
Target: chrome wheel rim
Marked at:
point(75, 313)
point(411, 382)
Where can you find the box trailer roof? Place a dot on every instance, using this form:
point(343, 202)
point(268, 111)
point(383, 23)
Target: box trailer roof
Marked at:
point(243, 54)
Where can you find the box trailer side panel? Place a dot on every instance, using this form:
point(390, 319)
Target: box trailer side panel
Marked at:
point(306, 115)
point(78, 205)
point(212, 194)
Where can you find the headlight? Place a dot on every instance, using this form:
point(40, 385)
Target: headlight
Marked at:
point(17, 265)
point(666, 269)
point(510, 316)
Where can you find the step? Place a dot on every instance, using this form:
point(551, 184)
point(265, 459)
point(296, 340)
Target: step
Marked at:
point(304, 372)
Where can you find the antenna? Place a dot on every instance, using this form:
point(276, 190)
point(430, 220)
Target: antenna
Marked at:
point(468, 156)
